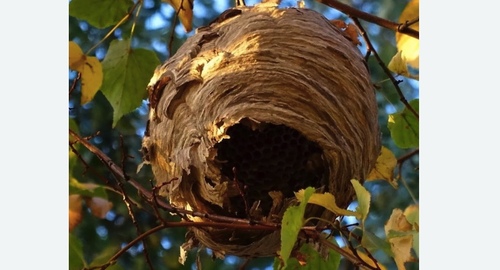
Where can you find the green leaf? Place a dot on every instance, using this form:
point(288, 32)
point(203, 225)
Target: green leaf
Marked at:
point(415, 242)
point(86, 189)
point(374, 243)
point(363, 197)
point(312, 260)
point(100, 13)
point(127, 73)
point(291, 224)
point(404, 127)
point(76, 259)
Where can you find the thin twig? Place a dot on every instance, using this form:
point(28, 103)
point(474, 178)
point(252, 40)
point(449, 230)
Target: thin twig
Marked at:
point(406, 184)
point(353, 12)
point(123, 20)
point(384, 67)
point(162, 204)
point(407, 24)
point(73, 85)
point(174, 22)
point(407, 156)
point(349, 256)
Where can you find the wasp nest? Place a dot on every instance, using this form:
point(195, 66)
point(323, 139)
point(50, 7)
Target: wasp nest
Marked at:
point(259, 104)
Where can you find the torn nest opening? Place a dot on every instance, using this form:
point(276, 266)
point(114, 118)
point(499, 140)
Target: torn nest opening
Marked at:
point(264, 158)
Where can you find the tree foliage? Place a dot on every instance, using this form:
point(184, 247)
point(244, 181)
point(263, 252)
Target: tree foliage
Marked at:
point(116, 220)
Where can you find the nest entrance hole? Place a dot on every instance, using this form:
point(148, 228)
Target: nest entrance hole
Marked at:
point(266, 157)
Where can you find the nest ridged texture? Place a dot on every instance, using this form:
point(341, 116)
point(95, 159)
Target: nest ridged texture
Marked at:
point(252, 108)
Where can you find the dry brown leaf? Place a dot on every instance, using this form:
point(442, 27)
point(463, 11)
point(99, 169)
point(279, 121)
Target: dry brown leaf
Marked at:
point(401, 245)
point(184, 8)
point(98, 206)
point(75, 211)
point(339, 23)
point(352, 31)
point(349, 30)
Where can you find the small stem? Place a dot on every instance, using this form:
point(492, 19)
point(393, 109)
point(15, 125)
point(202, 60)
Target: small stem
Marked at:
point(407, 156)
point(125, 18)
point(406, 184)
point(73, 85)
point(384, 67)
point(174, 22)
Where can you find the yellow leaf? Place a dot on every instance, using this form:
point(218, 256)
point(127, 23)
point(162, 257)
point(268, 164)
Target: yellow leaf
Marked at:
point(327, 200)
point(76, 56)
point(98, 206)
point(90, 69)
point(384, 167)
point(185, 12)
point(398, 65)
point(75, 211)
point(92, 77)
point(365, 258)
point(364, 198)
point(401, 245)
point(409, 46)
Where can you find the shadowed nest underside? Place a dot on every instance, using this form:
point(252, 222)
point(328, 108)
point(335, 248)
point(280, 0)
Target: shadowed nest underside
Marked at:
point(259, 104)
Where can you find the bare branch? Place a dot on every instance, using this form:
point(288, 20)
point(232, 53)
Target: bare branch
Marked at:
point(384, 67)
point(352, 12)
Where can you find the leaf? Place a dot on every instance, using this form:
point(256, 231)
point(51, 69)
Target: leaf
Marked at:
point(374, 243)
point(310, 259)
point(73, 125)
point(327, 200)
point(100, 13)
point(400, 244)
point(76, 258)
point(75, 211)
point(99, 207)
point(127, 72)
point(411, 214)
point(185, 13)
point(415, 245)
point(90, 71)
point(76, 56)
point(408, 46)
point(384, 167)
point(291, 224)
point(366, 259)
point(398, 65)
point(353, 32)
point(86, 189)
point(363, 197)
point(404, 127)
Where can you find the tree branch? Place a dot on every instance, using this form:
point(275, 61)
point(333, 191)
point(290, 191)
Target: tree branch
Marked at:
point(352, 12)
point(115, 169)
point(384, 67)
